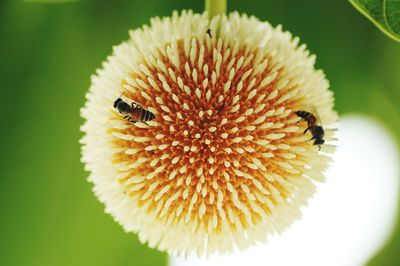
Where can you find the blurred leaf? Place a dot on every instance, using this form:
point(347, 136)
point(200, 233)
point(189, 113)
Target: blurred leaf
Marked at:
point(385, 14)
point(49, 1)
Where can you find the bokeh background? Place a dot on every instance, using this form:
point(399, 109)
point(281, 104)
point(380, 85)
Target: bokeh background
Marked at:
point(48, 214)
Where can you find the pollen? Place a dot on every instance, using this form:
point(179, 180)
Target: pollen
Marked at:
point(225, 162)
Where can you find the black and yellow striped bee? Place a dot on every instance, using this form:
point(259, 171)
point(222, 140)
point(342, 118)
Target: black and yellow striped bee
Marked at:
point(133, 112)
point(317, 131)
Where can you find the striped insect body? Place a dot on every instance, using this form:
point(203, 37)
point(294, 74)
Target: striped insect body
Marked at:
point(132, 112)
point(316, 130)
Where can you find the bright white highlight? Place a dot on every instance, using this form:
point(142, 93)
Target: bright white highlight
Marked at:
point(349, 217)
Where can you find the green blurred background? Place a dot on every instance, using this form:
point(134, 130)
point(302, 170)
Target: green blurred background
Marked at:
point(48, 214)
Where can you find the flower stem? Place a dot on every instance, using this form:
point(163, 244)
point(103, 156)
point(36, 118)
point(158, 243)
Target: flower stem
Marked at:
point(215, 7)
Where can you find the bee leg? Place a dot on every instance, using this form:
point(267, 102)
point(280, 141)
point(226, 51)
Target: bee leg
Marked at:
point(305, 131)
point(312, 139)
point(209, 33)
point(319, 146)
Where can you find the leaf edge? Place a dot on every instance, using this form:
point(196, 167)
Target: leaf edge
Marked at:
point(363, 11)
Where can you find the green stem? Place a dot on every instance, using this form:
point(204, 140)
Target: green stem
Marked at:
point(215, 7)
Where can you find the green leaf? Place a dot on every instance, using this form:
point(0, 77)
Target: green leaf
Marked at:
point(385, 14)
point(49, 1)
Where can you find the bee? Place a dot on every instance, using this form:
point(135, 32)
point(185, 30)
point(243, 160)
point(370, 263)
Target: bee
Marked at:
point(317, 131)
point(133, 112)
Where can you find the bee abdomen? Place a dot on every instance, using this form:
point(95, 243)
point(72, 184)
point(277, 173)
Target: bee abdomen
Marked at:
point(302, 114)
point(146, 115)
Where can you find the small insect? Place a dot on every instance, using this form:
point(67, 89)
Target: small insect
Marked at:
point(209, 33)
point(133, 112)
point(317, 131)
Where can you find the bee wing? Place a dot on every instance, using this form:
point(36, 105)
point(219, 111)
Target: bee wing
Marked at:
point(313, 110)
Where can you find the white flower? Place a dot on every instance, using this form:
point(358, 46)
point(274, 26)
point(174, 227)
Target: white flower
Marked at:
point(225, 162)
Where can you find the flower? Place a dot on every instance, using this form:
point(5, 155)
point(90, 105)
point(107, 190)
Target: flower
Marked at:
point(225, 162)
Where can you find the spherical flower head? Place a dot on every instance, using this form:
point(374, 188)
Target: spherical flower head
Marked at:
point(225, 162)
